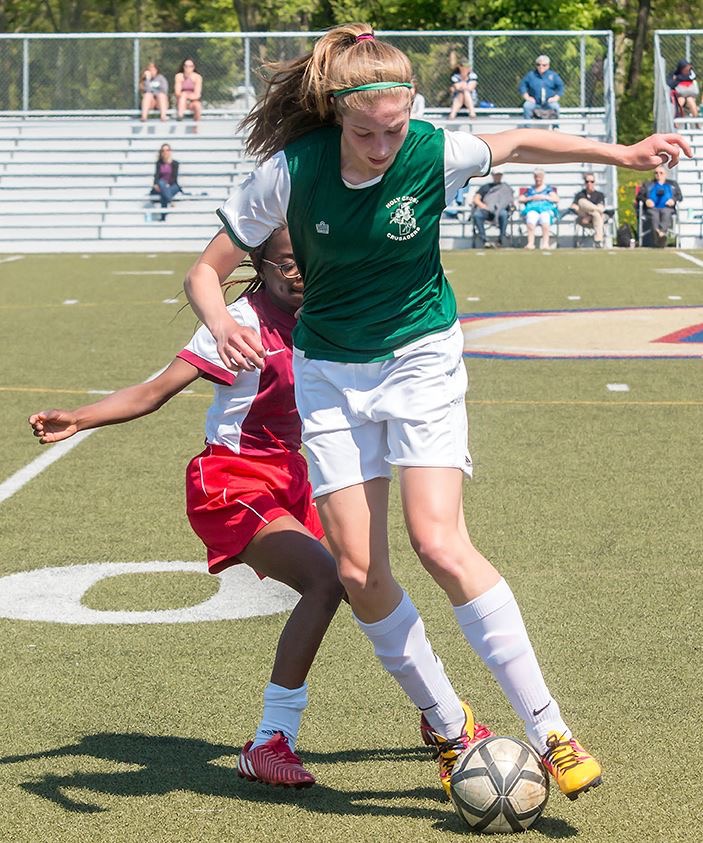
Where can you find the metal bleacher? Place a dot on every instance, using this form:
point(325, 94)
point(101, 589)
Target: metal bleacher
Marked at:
point(82, 183)
point(77, 183)
point(567, 179)
point(690, 179)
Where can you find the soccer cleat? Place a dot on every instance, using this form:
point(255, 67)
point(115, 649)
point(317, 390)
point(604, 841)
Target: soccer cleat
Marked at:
point(481, 731)
point(273, 762)
point(448, 751)
point(573, 769)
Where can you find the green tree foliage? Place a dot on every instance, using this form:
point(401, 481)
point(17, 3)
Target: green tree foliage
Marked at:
point(631, 20)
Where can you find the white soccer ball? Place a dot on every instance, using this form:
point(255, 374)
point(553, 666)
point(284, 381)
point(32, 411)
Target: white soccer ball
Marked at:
point(499, 786)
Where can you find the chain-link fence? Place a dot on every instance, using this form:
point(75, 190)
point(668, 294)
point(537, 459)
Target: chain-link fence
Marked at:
point(101, 72)
point(670, 46)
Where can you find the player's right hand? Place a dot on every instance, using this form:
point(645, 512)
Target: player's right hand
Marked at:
point(53, 425)
point(239, 347)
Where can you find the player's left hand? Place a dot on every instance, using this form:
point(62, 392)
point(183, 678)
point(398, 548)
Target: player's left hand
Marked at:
point(656, 150)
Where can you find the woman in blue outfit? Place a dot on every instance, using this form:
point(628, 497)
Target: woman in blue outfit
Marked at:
point(540, 208)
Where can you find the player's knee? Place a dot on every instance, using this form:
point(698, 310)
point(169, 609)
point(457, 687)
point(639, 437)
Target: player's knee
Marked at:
point(357, 580)
point(438, 554)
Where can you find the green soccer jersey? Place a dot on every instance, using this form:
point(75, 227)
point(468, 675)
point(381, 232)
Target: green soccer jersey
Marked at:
point(369, 254)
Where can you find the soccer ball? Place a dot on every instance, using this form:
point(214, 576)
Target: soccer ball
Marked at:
point(499, 786)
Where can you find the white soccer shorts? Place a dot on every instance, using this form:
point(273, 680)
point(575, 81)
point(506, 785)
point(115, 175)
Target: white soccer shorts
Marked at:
point(361, 418)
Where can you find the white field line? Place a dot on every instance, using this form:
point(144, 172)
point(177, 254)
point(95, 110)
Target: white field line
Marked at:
point(146, 272)
point(697, 261)
point(21, 477)
point(12, 258)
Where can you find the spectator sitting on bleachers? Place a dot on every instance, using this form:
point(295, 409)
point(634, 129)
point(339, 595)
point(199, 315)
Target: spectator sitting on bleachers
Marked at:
point(683, 82)
point(493, 202)
point(541, 90)
point(165, 178)
point(659, 198)
point(418, 107)
point(188, 88)
point(154, 89)
point(589, 205)
point(540, 202)
point(464, 83)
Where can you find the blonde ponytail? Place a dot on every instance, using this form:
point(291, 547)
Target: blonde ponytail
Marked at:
point(299, 94)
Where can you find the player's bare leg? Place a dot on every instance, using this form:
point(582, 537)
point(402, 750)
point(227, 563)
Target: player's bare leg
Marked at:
point(490, 619)
point(285, 551)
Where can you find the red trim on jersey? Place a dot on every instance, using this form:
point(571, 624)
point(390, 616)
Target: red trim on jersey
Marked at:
point(208, 370)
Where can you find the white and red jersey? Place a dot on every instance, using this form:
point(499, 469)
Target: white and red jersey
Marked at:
point(253, 413)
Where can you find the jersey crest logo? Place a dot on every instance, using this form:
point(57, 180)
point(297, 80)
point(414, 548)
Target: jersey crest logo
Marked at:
point(322, 227)
point(403, 215)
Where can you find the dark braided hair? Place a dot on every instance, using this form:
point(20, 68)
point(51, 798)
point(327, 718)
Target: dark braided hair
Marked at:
point(255, 262)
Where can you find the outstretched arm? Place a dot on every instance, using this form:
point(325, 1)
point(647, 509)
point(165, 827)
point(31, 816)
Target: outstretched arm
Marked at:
point(535, 146)
point(124, 405)
point(238, 346)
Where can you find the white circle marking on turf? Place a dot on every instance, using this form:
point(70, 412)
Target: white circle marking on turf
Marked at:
point(54, 595)
point(675, 298)
point(574, 298)
point(473, 298)
point(678, 270)
point(71, 301)
point(618, 387)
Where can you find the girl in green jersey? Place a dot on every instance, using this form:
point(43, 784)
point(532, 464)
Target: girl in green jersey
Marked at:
point(379, 372)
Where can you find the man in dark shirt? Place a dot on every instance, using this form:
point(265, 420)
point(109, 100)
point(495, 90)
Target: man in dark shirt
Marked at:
point(492, 203)
point(589, 205)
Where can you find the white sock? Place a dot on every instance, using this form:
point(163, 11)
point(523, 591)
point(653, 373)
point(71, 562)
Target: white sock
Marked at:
point(400, 643)
point(493, 626)
point(283, 708)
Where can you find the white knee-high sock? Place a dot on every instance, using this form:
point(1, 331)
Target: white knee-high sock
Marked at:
point(283, 708)
point(400, 643)
point(493, 626)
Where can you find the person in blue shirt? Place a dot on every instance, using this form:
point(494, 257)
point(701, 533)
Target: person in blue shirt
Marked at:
point(540, 208)
point(660, 198)
point(541, 88)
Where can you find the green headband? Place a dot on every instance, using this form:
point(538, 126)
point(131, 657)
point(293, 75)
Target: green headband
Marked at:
point(373, 86)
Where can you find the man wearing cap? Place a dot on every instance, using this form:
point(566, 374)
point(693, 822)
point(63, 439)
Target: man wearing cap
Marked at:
point(541, 88)
point(493, 202)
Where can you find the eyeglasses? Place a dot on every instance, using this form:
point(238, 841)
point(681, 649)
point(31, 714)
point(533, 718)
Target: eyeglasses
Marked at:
point(288, 270)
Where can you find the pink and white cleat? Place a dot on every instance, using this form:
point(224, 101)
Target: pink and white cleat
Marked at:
point(273, 762)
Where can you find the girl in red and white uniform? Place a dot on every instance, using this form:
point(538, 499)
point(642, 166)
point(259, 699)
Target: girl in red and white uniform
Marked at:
point(248, 495)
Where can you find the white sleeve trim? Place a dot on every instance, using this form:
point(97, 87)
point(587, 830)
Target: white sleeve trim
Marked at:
point(260, 204)
point(465, 156)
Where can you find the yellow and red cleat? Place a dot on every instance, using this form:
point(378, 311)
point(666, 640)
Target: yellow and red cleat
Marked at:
point(574, 770)
point(448, 751)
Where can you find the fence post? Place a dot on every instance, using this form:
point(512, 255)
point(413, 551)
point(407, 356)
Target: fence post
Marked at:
point(470, 52)
point(583, 70)
point(25, 75)
point(247, 70)
point(135, 71)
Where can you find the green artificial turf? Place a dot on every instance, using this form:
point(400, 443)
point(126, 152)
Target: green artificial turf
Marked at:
point(588, 501)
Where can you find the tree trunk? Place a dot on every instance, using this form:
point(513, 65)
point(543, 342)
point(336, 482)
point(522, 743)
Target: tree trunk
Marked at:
point(638, 46)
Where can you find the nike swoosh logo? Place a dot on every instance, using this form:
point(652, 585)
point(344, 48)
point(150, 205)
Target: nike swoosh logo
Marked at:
point(270, 353)
point(428, 707)
point(536, 711)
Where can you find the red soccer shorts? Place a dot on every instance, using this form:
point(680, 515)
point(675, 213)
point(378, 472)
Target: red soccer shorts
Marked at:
point(230, 497)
